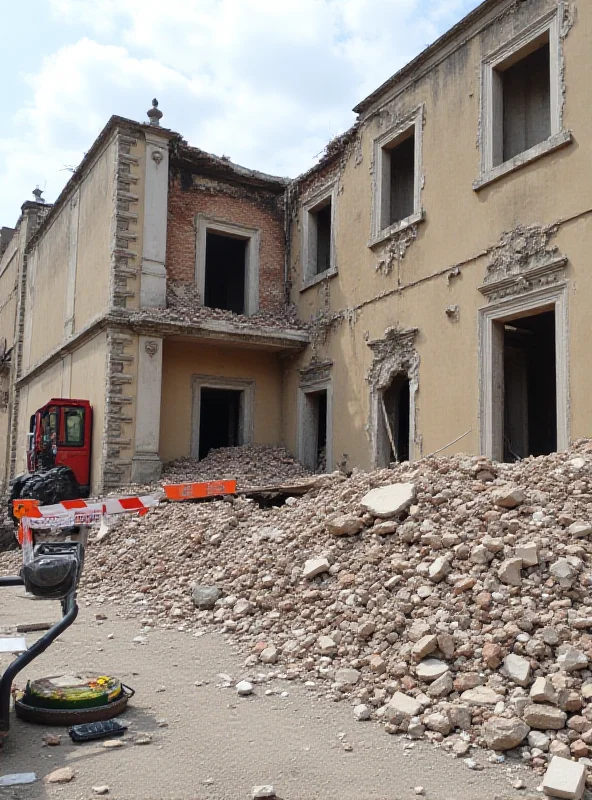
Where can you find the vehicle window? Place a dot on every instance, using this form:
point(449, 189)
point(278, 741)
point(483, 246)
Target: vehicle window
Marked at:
point(74, 427)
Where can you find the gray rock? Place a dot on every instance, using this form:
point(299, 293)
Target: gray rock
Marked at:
point(347, 676)
point(504, 734)
point(563, 572)
point(580, 529)
point(439, 569)
point(326, 645)
point(543, 691)
point(544, 717)
point(269, 655)
point(205, 597)
point(528, 553)
point(265, 792)
point(508, 496)
point(442, 686)
point(362, 712)
point(438, 722)
point(388, 501)
point(431, 669)
point(509, 572)
point(404, 705)
point(518, 669)
point(425, 646)
point(571, 659)
point(538, 739)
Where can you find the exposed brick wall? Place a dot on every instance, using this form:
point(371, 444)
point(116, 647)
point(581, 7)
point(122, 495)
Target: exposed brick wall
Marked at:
point(190, 195)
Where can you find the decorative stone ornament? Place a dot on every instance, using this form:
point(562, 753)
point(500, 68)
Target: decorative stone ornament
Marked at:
point(157, 156)
point(154, 115)
point(151, 348)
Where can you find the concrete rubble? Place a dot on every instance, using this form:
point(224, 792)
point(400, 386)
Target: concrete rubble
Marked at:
point(418, 629)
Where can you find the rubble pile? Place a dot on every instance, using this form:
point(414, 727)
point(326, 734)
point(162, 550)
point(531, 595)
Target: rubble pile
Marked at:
point(447, 599)
point(252, 466)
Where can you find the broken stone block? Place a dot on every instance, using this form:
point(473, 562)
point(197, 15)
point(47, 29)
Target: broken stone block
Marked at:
point(425, 646)
point(326, 645)
point(439, 569)
point(388, 501)
point(563, 572)
point(314, 567)
point(492, 655)
point(565, 779)
point(543, 691)
point(362, 712)
point(404, 705)
point(347, 676)
point(384, 528)
point(266, 792)
point(430, 669)
point(504, 734)
point(579, 530)
point(439, 723)
point(518, 669)
point(377, 664)
point(544, 717)
point(508, 496)
point(345, 525)
point(571, 659)
point(442, 686)
point(509, 572)
point(269, 655)
point(539, 740)
point(446, 645)
point(481, 696)
point(528, 553)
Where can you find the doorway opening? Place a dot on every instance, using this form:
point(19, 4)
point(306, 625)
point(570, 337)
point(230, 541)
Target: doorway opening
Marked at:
point(315, 430)
point(219, 419)
point(529, 394)
point(225, 272)
point(393, 421)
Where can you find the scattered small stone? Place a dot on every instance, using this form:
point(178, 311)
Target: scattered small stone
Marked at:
point(62, 775)
point(419, 790)
point(263, 792)
point(52, 739)
point(113, 744)
point(244, 688)
point(143, 738)
point(314, 567)
point(100, 789)
point(362, 712)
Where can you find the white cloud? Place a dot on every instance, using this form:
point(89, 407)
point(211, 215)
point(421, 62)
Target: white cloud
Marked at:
point(266, 83)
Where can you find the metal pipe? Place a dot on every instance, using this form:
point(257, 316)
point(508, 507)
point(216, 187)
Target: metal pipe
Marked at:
point(70, 610)
point(12, 580)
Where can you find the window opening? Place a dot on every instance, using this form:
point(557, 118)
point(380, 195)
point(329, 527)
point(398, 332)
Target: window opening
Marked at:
point(529, 396)
point(398, 180)
point(225, 277)
point(219, 419)
point(525, 101)
point(395, 412)
point(323, 238)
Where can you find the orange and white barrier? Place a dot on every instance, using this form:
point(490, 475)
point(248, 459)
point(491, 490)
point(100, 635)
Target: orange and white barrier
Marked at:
point(196, 491)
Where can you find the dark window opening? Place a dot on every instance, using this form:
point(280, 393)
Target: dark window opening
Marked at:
point(530, 396)
point(526, 93)
point(323, 226)
point(315, 431)
point(219, 419)
point(397, 406)
point(225, 272)
point(401, 177)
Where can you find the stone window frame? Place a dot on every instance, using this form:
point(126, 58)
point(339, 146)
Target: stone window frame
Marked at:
point(312, 381)
point(491, 139)
point(315, 203)
point(205, 224)
point(398, 131)
point(246, 413)
point(491, 422)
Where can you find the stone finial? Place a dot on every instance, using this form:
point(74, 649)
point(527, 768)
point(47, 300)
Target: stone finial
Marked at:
point(37, 195)
point(154, 115)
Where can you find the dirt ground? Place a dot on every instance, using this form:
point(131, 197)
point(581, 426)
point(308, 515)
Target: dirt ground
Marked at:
point(213, 745)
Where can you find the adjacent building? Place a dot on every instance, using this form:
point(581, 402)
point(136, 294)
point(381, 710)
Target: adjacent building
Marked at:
point(425, 286)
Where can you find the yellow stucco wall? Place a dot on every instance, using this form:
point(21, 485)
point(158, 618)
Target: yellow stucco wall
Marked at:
point(460, 225)
point(80, 375)
point(182, 360)
point(95, 222)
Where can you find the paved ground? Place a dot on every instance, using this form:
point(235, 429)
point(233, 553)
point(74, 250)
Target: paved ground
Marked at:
point(217, 746)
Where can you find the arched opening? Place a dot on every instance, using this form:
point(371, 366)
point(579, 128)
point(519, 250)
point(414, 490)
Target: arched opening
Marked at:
point(394, 421)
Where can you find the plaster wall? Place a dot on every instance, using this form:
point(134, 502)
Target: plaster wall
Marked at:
point(183, 360)
point(79, 375)
point(93, 238)
point(413, 277)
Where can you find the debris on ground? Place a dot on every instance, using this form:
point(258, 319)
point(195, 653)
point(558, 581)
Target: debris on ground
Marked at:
point(453, 605)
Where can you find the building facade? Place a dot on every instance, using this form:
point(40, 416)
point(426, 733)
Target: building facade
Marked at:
point(425, 286)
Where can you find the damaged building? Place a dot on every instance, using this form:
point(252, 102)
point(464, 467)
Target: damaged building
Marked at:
point(424, 286)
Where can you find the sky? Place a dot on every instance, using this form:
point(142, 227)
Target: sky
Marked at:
point(265, 82)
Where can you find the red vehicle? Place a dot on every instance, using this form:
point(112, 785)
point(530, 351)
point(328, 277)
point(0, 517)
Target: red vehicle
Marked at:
point(60, 435)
